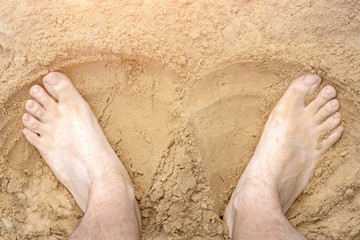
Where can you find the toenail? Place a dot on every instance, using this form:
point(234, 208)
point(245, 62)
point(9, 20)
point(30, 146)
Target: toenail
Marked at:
point(334, 103)
point(30, 104)
point(52, 80)
point(329, 91)
point(35, 89)
point(310, 80)
point(26, 117)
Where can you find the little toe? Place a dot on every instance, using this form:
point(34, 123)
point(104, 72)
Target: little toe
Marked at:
point(35, 109)
point(60, 87)
point(32, 137)
point(330, 123)
point(302, 87)
point(31, 123)
point(40, 95)
point(327, 110)
point(332, 139)
point(324, 96)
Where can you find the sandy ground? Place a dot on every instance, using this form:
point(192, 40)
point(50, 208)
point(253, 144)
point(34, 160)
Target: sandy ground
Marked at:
point(182, 90)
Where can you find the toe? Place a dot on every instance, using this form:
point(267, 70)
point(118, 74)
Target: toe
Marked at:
point(332, 139)
point(330, 123)
point(35, 109)
point(40, 95)
point(302, 87)
point(32, 137)
point(324, 96)
point(327, 110)
point(31, 123)
point(60, 87)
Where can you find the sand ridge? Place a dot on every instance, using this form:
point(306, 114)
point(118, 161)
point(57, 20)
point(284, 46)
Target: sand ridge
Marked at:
point(182, 90)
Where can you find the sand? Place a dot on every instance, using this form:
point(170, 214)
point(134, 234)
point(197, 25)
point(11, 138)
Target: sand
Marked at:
point(182, 90)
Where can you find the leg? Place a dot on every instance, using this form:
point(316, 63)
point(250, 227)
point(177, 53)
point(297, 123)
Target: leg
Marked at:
point(110, 214)
point(64, 130)
point(283, 162)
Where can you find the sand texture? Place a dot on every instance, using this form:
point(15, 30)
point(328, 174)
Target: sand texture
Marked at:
point(182, 90)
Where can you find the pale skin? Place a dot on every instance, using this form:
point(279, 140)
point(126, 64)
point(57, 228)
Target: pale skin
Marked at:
point(61, 126)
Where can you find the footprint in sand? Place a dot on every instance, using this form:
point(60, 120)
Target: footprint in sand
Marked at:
point(133, 115)
point(132, 103)
point(228, 109)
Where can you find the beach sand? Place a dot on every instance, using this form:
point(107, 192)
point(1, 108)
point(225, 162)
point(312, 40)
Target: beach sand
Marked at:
point(182, 90)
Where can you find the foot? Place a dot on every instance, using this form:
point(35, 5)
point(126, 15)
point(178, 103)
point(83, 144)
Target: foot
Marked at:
point(291, 143)
point(62, 127)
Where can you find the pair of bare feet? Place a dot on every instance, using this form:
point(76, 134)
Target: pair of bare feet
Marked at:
point(62, 127)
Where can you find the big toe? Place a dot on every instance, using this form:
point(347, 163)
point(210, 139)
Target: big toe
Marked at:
point(60, 87)
point(301, 87)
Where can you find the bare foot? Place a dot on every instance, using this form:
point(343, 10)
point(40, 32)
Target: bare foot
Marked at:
point(289, 147)
point(66, 133)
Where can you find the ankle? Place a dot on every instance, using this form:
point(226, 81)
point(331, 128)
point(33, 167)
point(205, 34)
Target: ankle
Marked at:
point(111, 186)
point(257, 195)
